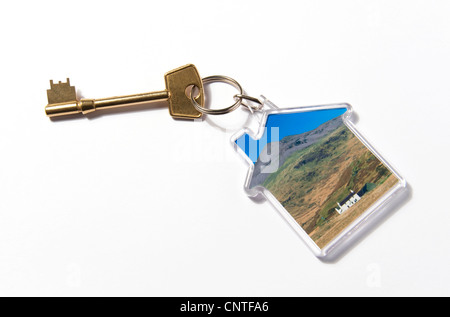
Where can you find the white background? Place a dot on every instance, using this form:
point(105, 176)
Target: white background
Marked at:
point(136, 203)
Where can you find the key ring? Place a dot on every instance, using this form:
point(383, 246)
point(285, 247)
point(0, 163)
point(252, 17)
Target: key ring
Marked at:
point(239, 97)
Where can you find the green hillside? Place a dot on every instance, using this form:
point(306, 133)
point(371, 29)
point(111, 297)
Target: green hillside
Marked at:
point(312, 181)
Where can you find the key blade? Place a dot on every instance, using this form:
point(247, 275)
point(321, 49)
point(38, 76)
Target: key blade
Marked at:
point(61, 92)
point(177, 80)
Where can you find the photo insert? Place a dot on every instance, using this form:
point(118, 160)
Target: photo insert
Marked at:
point(324, 176)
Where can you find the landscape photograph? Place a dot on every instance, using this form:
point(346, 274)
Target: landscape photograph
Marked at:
point(326, 177)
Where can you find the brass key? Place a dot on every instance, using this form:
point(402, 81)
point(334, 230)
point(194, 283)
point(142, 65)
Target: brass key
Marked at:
point(62, 98)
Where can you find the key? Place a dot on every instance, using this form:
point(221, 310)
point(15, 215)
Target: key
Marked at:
point(62, 98)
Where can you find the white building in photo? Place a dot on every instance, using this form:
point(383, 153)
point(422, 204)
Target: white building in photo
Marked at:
point(349, 201)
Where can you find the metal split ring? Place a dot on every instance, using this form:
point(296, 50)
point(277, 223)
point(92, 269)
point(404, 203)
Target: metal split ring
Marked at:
point(239, 97)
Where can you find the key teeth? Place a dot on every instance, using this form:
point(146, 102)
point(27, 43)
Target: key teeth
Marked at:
point(61, 92)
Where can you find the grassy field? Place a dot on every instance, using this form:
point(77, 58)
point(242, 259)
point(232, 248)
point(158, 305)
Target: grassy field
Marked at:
point(326, 232)
point(312, 181)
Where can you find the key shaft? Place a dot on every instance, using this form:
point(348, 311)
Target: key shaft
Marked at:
point(85, 106)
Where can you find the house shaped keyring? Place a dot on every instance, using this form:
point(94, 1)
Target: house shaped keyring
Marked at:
point(326, 181)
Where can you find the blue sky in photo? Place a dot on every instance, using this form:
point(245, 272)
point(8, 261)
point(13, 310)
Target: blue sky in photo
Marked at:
point(287, 124)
